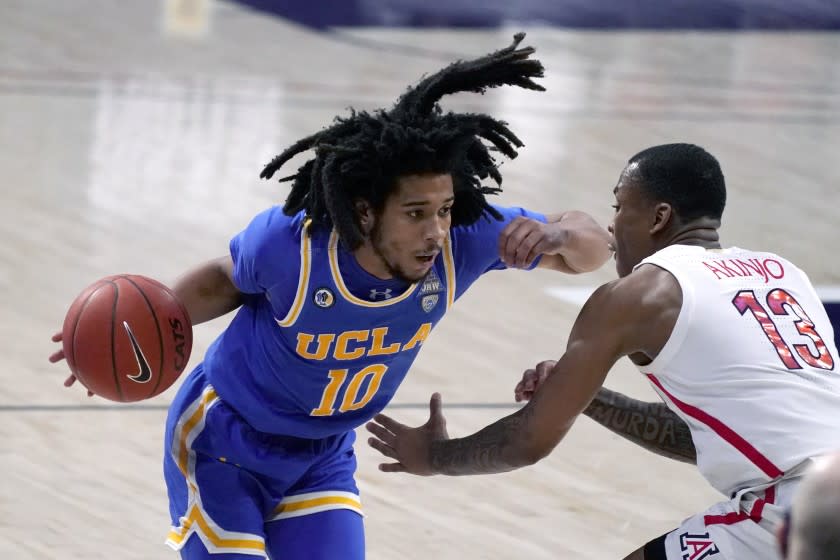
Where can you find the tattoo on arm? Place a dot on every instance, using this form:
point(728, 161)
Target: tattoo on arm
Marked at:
point(650, 425)
point(497, 448)
point(503, 446)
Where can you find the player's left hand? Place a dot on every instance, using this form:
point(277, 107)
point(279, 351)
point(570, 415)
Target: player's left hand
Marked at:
point(532, 379)
point(524, 239)
point(411, 447)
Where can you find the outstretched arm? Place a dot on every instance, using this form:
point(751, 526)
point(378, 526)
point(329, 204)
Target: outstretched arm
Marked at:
point(634, 315)
point(650, 425)
point(571, 242)
point(531, 433)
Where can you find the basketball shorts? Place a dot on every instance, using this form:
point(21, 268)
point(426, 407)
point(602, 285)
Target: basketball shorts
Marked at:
point(743, 528)
point(235, 492)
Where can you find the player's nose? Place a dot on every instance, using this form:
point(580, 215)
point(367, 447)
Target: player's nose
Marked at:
point(436, 231)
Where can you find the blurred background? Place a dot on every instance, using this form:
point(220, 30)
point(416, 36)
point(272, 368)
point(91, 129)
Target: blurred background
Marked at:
point(132, 134)
point(580, 14)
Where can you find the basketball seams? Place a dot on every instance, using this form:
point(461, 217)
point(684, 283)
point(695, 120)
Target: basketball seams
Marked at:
point(113, 341)
point(94, 324)
point(159, 333)
point(71, 359)
point(169, 292)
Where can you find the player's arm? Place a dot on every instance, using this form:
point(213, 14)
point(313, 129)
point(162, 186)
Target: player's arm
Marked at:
point(607, 328)
point(254, 263)
point(585, 245)
point(651, 425)
point(571, 242)
point(208, 290)
point(531, 433)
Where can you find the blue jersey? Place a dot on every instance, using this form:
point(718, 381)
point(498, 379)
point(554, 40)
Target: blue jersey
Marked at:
point(313, 352)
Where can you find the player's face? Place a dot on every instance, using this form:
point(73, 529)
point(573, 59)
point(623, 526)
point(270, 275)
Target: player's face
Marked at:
point(408, 235)
point(632, 237)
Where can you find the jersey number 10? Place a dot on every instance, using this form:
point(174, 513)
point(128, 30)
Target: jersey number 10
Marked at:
point(351, 401)
point(779, 301)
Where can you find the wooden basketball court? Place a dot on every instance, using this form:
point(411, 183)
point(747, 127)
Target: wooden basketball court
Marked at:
point(132, 137)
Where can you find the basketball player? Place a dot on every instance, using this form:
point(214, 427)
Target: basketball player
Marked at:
point(384, 228)
point(734, 341)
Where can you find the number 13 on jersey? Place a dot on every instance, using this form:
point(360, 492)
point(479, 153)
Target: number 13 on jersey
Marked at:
point(779, 301)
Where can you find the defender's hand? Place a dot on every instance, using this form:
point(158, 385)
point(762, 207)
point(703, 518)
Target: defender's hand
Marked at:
point(532, 379)
point(409, 446)
point(524, 239)
point(58, 356)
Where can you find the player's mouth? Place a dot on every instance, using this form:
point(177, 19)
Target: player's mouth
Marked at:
point(427, 258)
point(611, 246)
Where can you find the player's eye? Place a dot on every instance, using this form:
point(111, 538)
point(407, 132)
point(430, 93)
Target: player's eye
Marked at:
point(445, 211)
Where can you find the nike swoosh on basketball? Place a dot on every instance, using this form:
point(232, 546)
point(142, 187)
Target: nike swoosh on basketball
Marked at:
point(145, 373)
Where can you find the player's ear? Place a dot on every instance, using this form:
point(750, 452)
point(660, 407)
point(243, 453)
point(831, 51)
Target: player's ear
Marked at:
point(364, 213)
point(663, 214)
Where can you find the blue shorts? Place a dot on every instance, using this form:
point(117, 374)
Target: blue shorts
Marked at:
point(236, 492)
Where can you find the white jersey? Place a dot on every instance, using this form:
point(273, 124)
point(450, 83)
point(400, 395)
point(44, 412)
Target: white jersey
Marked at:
point(751, 365)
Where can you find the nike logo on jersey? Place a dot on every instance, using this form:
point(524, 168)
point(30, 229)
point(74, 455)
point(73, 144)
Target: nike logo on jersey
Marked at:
point(145, 373)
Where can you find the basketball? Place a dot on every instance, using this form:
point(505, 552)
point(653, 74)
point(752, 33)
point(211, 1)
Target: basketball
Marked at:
point(127, 338)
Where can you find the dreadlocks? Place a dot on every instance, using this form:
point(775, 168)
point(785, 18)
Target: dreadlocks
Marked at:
point(363, 155)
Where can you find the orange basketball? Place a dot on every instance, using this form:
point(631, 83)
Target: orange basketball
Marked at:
point(127, 338)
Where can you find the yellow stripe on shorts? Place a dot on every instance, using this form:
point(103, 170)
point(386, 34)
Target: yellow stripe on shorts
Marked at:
point(219, 539)
point(314, 502)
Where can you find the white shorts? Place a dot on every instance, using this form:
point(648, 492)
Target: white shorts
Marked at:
point(743, 528)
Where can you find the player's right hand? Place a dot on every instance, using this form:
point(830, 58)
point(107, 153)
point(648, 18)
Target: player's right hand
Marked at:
point(58, 356)
point(532, 379)
point(410, 447)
